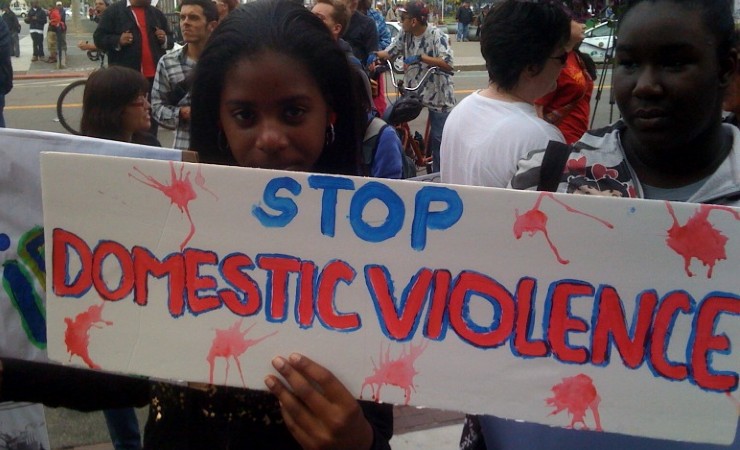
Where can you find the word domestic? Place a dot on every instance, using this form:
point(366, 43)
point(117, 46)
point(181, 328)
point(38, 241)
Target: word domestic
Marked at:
point(433, 298)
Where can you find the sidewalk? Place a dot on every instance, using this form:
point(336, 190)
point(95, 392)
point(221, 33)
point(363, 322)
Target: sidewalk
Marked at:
point(467, 57)
point(414, 428)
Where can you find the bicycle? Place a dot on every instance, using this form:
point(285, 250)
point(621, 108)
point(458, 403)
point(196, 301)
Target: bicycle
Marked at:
point(69, 103)
point(406, 108)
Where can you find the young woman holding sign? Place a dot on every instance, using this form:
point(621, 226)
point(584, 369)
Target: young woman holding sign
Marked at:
point(674, 60)
point(271, 90)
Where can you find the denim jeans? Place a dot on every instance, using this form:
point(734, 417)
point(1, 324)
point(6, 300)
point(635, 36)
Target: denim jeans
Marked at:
point(123, 427)
point(460, 35)
point(437, 121)
point(2, 107)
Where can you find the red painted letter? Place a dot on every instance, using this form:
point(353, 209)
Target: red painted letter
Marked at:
point(250, 301)
point(560, 322)
point(524, 317)
point(279, 267)
point(63, 240)
point(662, 328)
point(398, 322)
point(173, 267)
point(125, 262)
point(611, 326)
point(469, 284)
point(333, 273)
point(704, 342)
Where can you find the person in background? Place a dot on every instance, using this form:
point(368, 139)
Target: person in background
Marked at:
point(6, 68)
point(36, 18)
point(100, 7)
point(170, 91)
point(391, 15)
point(423, 46)
point(481, 19)
point(523, 45)
point(674, 59)
point(14, 27)
point(115, 106)
point(361, 32)
point(57, 34)
point(225, 7)
point(568, 107)
point(384, 40)
point(464, 18)
point(136, 35)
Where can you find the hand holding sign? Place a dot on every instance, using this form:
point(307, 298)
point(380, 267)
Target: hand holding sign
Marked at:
point(319, 410)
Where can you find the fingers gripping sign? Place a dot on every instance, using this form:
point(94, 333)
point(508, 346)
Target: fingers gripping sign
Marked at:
point(318, 410)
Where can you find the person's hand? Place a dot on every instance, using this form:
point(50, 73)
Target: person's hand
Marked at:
point(185, 113)
point(161, 35)
point(127, 38)
point(318, 410)
point(413, 59)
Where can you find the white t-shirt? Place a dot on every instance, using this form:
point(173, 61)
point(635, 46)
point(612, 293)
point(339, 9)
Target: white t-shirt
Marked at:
point(483, 140)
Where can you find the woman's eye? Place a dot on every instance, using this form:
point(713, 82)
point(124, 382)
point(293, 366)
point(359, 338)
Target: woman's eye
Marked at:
point(243, 116)
point(294, 113)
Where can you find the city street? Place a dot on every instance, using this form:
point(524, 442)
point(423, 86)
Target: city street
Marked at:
point(32, 102)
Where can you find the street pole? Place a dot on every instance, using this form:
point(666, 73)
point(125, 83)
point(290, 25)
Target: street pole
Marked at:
point(76, 28)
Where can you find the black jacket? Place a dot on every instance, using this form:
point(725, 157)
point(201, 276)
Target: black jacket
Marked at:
point(36, 18)
point(119, 18)
point(6, 69)
point(12, 21)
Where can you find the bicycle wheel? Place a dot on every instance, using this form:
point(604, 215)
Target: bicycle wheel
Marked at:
point(69, 106)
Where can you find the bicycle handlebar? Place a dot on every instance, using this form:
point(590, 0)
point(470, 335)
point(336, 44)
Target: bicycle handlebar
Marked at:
point(398, 84)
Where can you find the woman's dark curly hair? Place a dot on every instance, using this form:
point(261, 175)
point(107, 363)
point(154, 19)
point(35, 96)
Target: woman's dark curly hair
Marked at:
point(517, 35)
point(288, 28)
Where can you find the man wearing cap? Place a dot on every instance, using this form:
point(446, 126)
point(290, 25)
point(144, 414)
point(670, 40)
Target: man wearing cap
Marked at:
point(424, 46)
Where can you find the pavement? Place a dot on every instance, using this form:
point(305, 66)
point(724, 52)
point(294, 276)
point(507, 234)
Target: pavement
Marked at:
point(414, 428)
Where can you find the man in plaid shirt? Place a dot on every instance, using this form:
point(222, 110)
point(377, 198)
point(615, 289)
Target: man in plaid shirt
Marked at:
point(170, 91)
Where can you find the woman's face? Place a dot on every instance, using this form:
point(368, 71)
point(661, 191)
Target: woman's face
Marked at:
point(136, 116)
point(577, 34)
point(546, 80)
point(668, 81)
point(223, 9)
point(273, 114)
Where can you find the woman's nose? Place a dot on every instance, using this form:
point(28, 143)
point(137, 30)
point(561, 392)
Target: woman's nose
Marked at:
point(271, 137)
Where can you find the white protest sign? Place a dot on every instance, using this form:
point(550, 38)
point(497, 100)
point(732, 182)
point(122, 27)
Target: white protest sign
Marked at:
point(615, 315)
point(22, 298)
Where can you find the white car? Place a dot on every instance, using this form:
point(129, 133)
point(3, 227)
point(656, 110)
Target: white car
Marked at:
point(394, 28)
point(19, 11)
point(599, 41)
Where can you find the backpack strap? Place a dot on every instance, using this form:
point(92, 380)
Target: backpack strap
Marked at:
point(370, 143)
point(553, 163)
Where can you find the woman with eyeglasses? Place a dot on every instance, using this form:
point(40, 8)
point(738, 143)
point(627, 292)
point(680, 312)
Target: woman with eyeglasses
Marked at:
point(115, 106)
point(491, 129)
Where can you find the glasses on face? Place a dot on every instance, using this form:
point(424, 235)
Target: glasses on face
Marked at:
point(141, 100)
point(562, 58)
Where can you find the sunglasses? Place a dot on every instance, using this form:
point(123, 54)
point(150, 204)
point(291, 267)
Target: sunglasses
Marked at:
point(562, 58)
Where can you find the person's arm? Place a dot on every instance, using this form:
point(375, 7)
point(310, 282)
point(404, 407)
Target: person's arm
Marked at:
point(443, 54)
point(81, 389)
point(163, 111)
point(106, 35)
point(168, 41)
point(387, 162)
point(320, 412)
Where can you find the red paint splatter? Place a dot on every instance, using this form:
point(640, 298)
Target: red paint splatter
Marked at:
point(399, 372)
point(698, 238)
point(231, 343)
point(576, 395)
point(77, 334)
point(200, 181)
point(534, 221)
point(180, 192)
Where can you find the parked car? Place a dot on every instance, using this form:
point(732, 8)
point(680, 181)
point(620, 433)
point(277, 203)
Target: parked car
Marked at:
point(599, 41)
point(19, 11)
point(394, 28)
